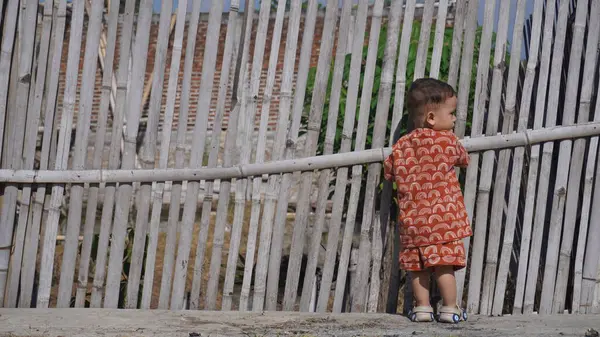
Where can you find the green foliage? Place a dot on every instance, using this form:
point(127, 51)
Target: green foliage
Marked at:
point(412, 55)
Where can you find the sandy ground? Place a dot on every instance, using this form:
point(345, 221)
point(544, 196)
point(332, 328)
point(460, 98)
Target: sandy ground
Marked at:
point(106, 322)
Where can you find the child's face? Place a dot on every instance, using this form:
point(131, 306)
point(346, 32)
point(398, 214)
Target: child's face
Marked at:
point(442, 118)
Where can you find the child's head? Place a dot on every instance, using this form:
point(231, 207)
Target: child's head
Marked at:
point(431, 104)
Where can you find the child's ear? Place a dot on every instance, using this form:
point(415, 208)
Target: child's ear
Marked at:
point(430, 118)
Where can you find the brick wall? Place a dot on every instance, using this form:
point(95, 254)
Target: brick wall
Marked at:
point(197, 70)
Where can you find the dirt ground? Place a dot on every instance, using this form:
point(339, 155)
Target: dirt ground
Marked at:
point(104, 322)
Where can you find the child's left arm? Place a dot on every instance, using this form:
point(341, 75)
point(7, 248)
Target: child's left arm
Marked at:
point(463, 155)
point(388, 167)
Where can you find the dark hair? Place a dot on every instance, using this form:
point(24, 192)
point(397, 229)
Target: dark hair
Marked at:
point(425, 93)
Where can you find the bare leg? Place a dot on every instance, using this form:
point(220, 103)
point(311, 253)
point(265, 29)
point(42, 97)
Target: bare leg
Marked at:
point(447, 283)
point(420, 284)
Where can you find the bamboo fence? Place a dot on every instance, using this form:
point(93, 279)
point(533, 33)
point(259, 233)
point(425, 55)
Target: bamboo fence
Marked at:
point(292, 106)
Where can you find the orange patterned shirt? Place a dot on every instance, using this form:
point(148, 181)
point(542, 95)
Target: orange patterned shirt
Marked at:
point(431, 204)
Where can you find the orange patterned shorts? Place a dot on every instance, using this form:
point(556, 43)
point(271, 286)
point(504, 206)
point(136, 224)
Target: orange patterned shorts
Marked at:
point(443, 254)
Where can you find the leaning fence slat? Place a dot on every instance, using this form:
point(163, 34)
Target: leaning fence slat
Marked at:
point(272, 288)
point(176, 187)
point(62, 156)
point(24, 233)
point(86, 96)
point(27, 40)
point(528, 214)
point(461, 110)
point(457, 41)
point(333, 234)
point(543, 187)
point(310, 147)
point(33, 235)
point(346, 146)
point(438, 44)
point(92, 202)
point(382, 216)
point(149, 155)
point(504, 158)
point(245, 130)
point(425, 34)
point(584, 110)
point(568, 177)
point(234, 245)
point(233, 50)
point(267, 231)
point(197, 154)
point(114, 156)
point(483, 189)
point(124, 192)
point(8, 42)
point(314, 127)
point(165, 143)
point(359, 289)
point(489, 159)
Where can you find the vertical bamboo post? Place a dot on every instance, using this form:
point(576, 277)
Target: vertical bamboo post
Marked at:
point(333, 234)
point(114, 154)
point(460, 22)
point(149, 154)
point(30, 240)
point(381, 117)
point(440, 28)
point(267, 231)
point(176, 187)
point(62, 156)
point(504, 159)
point(8, 41)
point(346, 146)
point(124, 192)
point(28, 155)
point(568, 177)
point(542, 195)
point(387, 232)
point(105, 103)
point(489, 159)
point(425, 34)
point(33, 230)
point(534, 167)
point(257, 181)
point(197, 154)
point(479, 192)
point(231, 50)
point(592, 158)
point(360, 292)
point(288, 152)
point(67, 269)
point(26, 34)
point(245, 130)
point(314, 127)
point(165, 143)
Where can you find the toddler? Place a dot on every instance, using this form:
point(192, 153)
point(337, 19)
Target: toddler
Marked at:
point(432, 215)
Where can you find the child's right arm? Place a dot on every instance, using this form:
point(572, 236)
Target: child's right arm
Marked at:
point(388, 167)
point(463, 155)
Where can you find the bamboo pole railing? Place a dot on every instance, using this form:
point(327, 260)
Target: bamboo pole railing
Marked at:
point(478, 144)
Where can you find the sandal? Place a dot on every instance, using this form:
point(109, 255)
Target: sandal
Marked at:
point(421, 314)
point(452, 315)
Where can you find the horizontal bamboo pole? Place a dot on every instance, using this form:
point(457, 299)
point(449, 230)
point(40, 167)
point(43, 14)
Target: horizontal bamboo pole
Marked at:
point(526, 138)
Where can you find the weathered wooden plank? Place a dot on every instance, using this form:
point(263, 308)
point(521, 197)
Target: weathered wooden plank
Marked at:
point(438, 44)
point(424, 36)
